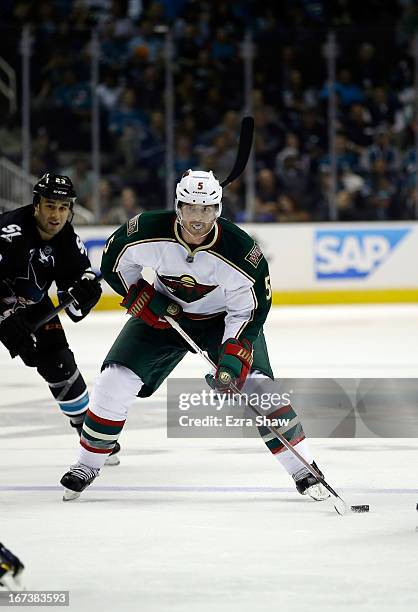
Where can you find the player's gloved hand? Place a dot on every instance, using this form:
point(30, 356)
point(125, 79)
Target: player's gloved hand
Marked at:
point(234, 365)
point(10, 569)
point(86, 291)
point(15, 334)
point(144, 302)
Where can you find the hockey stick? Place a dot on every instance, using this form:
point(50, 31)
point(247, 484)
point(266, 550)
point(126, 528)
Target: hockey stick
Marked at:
point(61, 306)
point(50, 315)
point(339, 504)
point(244, 149)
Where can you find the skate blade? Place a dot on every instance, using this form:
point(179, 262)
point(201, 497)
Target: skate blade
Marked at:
point(112, 460)
point(70, 495)
point(340, 506)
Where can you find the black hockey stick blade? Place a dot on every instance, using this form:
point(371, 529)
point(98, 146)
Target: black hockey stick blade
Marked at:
point(244, 149)
point(50, 315)
point(61, 306)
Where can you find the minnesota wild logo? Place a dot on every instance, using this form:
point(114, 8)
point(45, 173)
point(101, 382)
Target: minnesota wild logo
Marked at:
point(186, 287)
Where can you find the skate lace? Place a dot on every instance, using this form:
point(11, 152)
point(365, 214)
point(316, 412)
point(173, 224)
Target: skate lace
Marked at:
point(84, 471)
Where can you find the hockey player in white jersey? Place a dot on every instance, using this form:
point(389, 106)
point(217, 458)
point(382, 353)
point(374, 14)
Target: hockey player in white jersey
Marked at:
point(211, 277)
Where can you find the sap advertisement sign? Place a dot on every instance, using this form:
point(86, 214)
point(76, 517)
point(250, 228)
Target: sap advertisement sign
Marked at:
point(354, 254)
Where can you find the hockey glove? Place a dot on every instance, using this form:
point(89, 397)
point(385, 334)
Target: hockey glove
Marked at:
point(144, 302)
point(10, 569)
point(234, 364)
point(86, 292)
point(15, 334)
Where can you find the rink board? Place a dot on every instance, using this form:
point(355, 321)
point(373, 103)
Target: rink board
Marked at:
point(323, 263)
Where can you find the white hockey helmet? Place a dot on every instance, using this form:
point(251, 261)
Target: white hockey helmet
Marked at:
point(199, 187)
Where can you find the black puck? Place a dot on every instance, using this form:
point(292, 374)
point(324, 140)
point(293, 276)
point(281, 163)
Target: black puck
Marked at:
point(364, 508)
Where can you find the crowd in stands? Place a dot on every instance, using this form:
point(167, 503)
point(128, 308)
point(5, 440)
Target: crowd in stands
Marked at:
point(376, 124)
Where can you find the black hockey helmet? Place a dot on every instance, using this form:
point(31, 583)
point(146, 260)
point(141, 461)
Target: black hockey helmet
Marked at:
point(54, 187)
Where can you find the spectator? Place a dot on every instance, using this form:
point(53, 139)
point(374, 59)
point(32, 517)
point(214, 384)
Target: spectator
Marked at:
point(289, 211)
point(382, 106)
point(184, 156)
point(222, 49)
point(367, 68)
point(144, 44)
point(293, 172)
point(296, 99)
point(224, 155)
point(346, 155)
point(357, 127)
point(382, 203)
point(266, 197)
point(267, 139)
point(348, 92)
point(381, 149)
point(45, 150)
point(233, 201)
point(82, 178)
point(127, 208)
point(127, 115)
point(109, 91)
point(72, 93)
point(106, 199)
point(312, 134)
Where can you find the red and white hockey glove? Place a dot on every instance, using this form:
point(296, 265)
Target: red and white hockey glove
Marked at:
point(144, 302)
point(234, 364)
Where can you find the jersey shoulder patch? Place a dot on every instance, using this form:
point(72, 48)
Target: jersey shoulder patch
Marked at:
point(254, 255)
point(239, 247)
point(148, 225)
point(132, 225)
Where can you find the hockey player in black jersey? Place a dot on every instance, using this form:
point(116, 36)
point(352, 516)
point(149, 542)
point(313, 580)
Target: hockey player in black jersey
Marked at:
point(11, 569)
point(38, 245)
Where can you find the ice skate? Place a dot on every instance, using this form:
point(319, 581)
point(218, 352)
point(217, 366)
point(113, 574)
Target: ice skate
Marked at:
point(307, 484)
point(78, 478)
point(113, 458)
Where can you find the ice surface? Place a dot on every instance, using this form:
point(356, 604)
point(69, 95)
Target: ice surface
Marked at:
point(216, 525)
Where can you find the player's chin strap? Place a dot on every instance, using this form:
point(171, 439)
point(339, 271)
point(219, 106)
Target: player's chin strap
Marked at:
point(339, 504)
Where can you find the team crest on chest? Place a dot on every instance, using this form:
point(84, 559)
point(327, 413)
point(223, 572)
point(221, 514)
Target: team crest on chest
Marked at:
point(186, 287)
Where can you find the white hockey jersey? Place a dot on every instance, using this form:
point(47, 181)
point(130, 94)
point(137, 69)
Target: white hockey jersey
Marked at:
point(227, 274)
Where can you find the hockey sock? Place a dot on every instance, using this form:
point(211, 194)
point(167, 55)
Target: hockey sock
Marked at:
point(72, 396)
point(77, 421)
point(67, 385)
point(292, 430)
point(98, 437)
point(291, 464)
